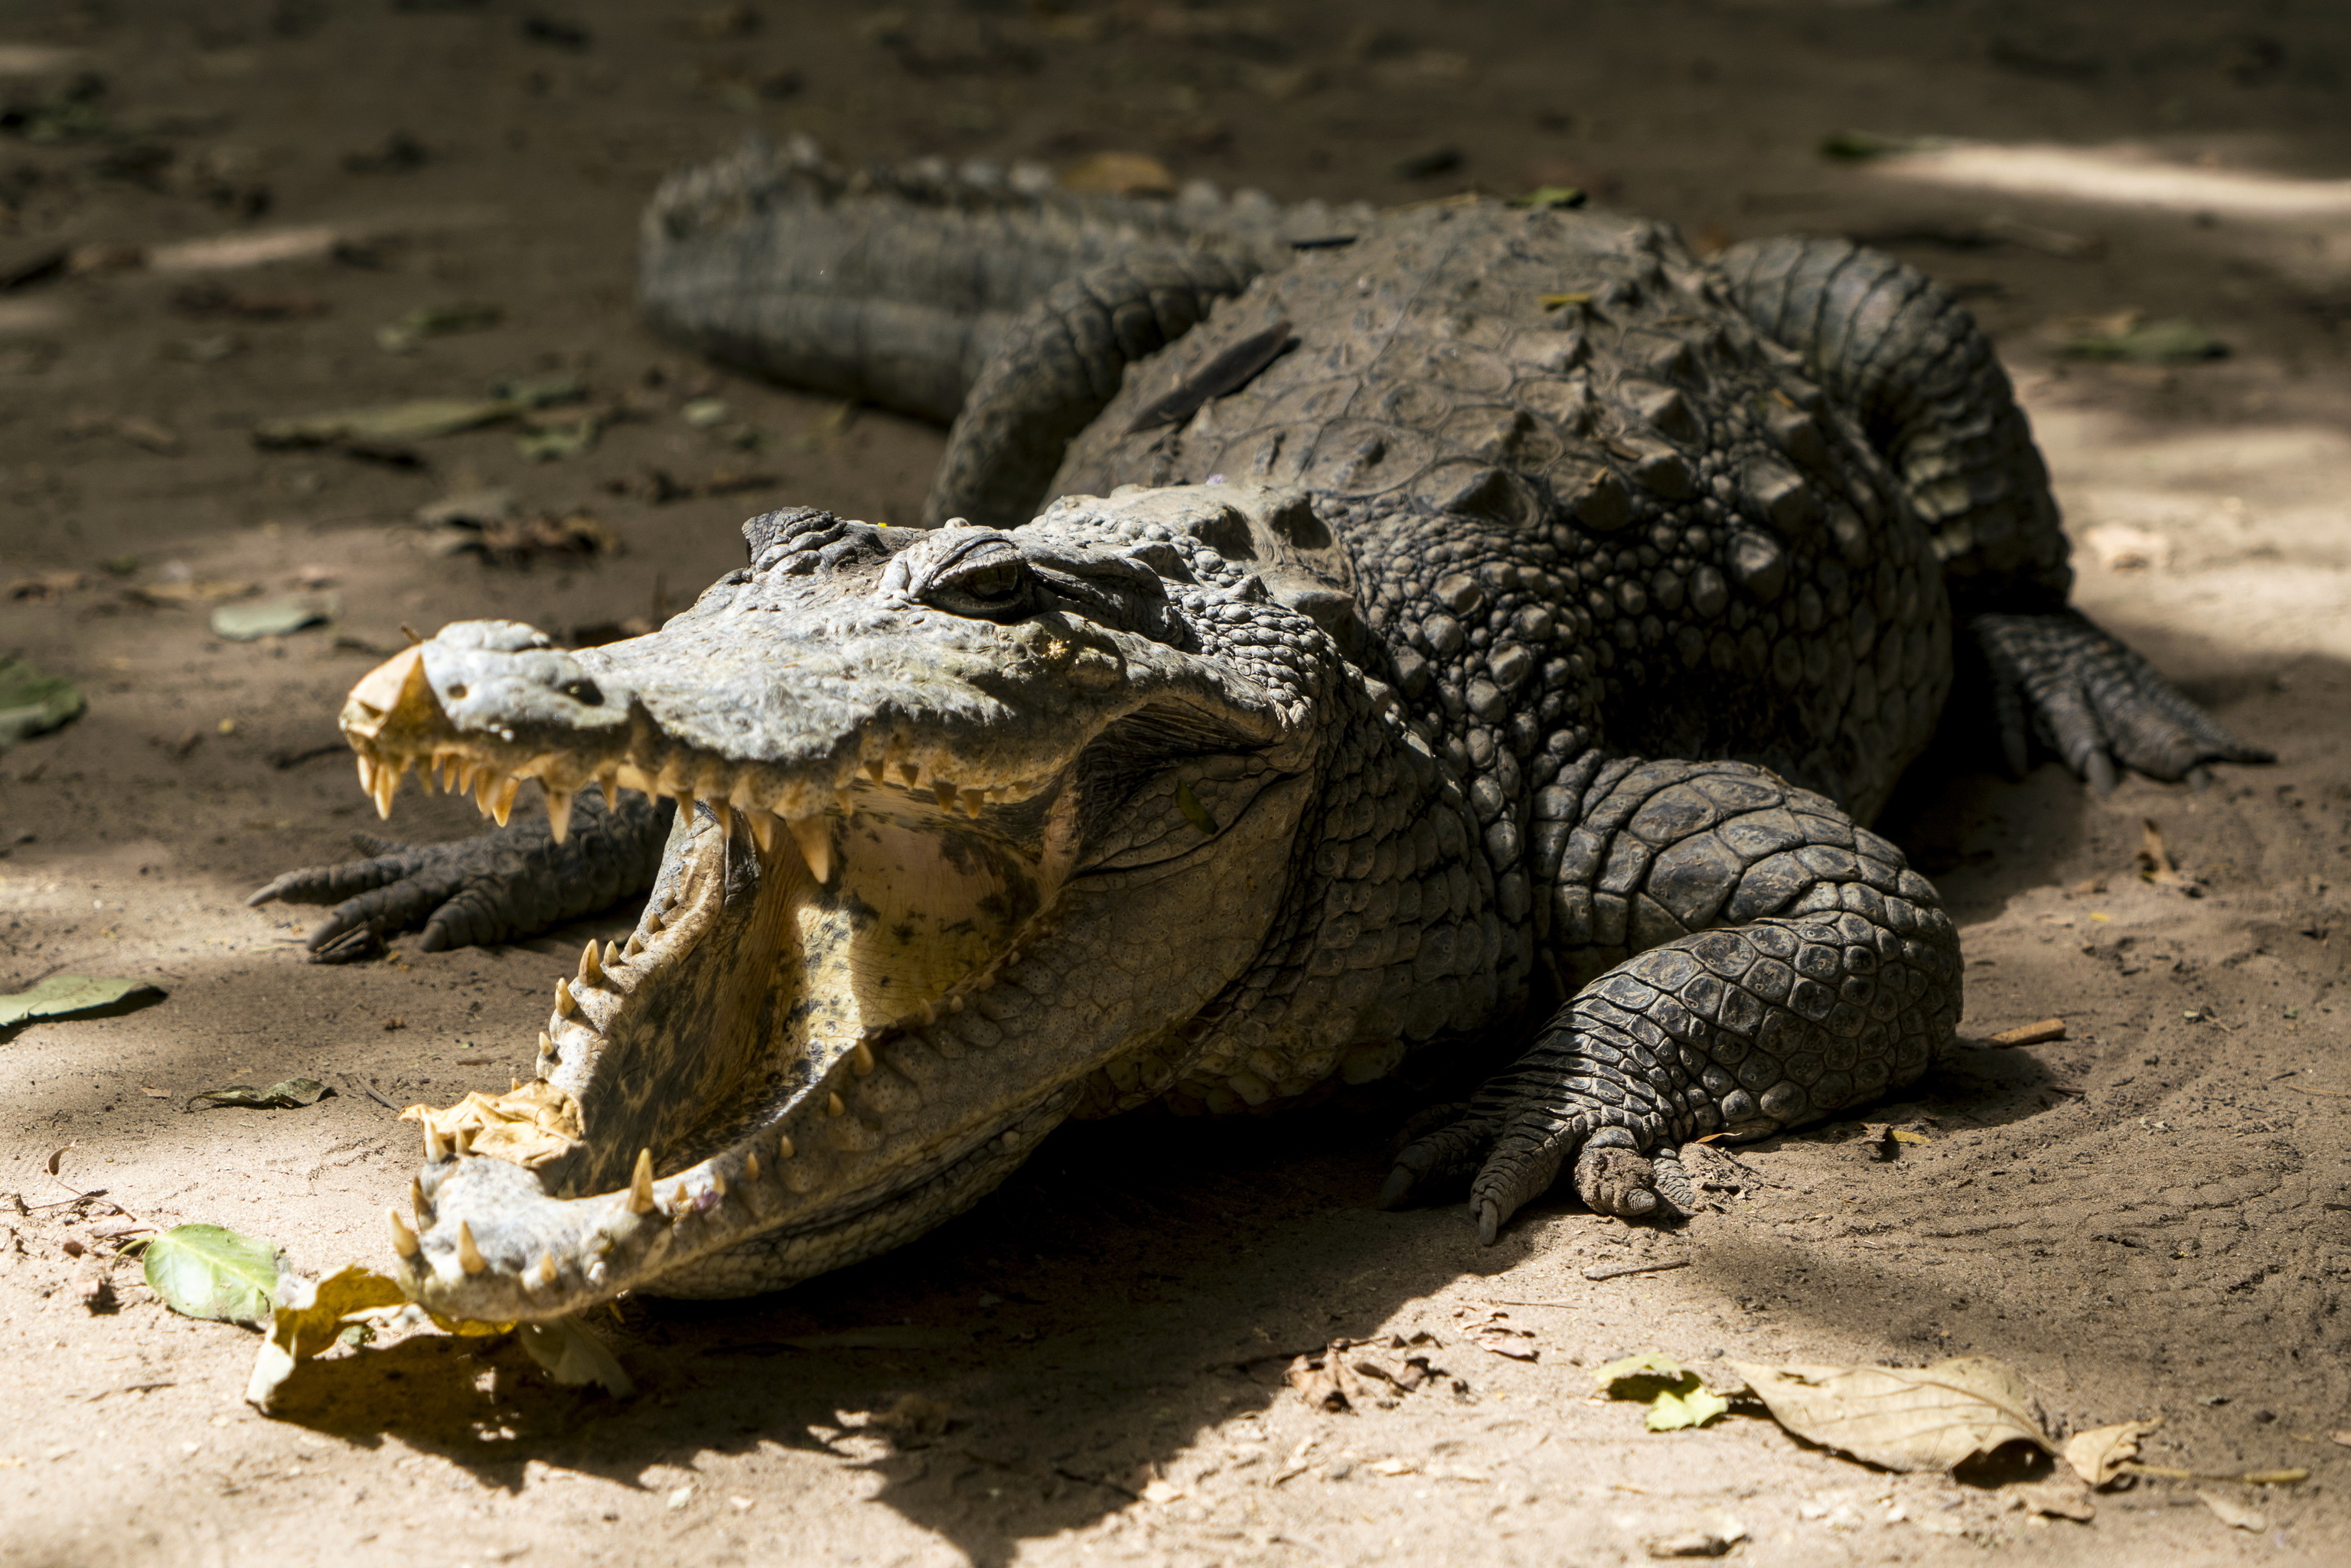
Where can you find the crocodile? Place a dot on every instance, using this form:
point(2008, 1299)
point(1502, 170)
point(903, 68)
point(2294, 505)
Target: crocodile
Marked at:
point(1468, 632)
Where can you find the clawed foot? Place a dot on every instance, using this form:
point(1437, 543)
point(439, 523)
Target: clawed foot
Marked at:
point(2096, 704)
point(1612, 1174)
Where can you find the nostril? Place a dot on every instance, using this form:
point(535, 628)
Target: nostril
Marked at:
point(582, 691)
point(457, 694)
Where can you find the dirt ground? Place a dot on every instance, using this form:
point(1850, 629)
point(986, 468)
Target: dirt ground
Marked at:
point(2147, 1218)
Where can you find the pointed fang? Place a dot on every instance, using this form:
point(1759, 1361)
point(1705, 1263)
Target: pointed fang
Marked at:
point(784, 1147)
point(814, 836)
point(465, 1142)
point(750, 1167)
point(591, 967)
point(861, 1060)
point(404, 1240)
point(469, 1257)
point(502, 804)
point(435, 1151)
point(558, 813)
point(542, 1273)
point(833, 1107)
point(763, 830)
point(641, 1183)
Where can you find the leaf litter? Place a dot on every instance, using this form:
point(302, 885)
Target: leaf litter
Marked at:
point(1677, 1396)
point(1348, 1373)
point(76, 996)
point(1902, 1418)
point(32, 702)
point(291, 1095)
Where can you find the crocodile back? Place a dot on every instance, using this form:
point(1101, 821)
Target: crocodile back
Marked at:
point(1589, 509)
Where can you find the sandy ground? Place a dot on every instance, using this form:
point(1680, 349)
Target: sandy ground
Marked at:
point(2147, 1218)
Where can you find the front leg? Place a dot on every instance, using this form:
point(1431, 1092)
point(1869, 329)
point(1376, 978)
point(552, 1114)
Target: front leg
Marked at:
point(1790, 965)
point(493, 887)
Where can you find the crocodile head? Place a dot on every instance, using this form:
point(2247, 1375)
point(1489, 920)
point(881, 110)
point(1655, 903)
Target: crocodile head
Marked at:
point(972, 824)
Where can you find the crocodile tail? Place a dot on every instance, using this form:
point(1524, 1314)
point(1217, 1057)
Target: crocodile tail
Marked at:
point(893, 285)
point(1896, 348)
point(1058, 367)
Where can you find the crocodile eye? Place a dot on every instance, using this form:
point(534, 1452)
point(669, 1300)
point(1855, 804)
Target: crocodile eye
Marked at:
point(584, 691)
point(990, 582)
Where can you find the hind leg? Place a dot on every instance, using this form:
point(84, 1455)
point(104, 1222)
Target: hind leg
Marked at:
point(2096, 704)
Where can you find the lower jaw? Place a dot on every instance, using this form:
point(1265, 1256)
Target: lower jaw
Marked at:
point(698, 1048)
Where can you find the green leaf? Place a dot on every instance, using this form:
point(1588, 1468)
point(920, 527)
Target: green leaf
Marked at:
point(2147, 343)
point(1642, 1377)
point(288, 1095)
point(1551, 196)
point(206, 1272)
point(32, 703)
point(1671, 1412)
point(254, 620)
point(75, 996)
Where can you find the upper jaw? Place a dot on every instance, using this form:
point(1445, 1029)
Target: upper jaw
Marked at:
point(751, 707)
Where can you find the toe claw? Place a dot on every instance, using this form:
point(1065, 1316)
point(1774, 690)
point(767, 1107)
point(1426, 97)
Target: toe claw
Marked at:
point(2098, 768)
point(1395, 1189)
point(2200, 778)
point(1490, 1222)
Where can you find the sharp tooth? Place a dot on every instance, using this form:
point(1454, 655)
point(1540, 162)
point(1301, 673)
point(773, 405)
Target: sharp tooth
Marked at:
point(465, 1141)
point(912, 772)
point(680, 1201)
point(514, 1085)
point(636, 946)
point(946, 793)
point(832, 1105)
point(367, 773)
point(861, 1060)
point(469, 1257)
point(547, 1051)
point(417, 1200)
point(608, 783)
point(542, 1273)
point(592, 970)
point(784, 1147)
point(875, 767)
point(559, 811)
point(484, 782)
point(388, 776)
point(502, 804)
point(654, 920)
point(724, 813)
point(611, 954)
point(750, 1167)
point(404, 1240)
point(718, 1181)
point(641, 1183)
point(973, 799)
point(435, 1150)
point(814, 836)
point(566, 1004)
point(763, 830)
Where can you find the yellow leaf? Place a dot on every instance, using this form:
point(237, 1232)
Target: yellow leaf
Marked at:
point(309, 1315)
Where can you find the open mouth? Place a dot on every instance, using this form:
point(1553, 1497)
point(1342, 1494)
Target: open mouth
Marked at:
point(757, 1063)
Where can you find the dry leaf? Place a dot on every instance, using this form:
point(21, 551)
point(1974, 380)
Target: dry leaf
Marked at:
point(2099, 1454)
point(1119, 174)
point(2155, 865)
point(2233, 1514)
point(527, 1125)
point(1491, 1332)
point(2060, 1494)
point(1901, 1418)
point(1349, 1372)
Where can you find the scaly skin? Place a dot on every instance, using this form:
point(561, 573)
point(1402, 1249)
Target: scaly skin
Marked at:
point(1525, 643)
